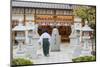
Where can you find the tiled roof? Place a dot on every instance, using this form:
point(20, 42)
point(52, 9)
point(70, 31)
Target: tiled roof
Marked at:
point(41, 5)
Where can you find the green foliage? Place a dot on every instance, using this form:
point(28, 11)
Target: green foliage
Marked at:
point(81, 12)
point(86, 13)
point(21, 61)
point(84, 59)
point(92, 14)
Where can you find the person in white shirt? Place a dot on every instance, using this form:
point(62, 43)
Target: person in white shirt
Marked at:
point(45, 42)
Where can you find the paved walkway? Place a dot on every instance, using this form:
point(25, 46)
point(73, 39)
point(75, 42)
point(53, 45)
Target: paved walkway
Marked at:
point(64, 55)
point(56, 57)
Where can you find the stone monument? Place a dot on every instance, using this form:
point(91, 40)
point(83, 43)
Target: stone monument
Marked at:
point(55, 40)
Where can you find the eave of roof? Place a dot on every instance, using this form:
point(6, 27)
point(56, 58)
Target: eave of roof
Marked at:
point(41, 5)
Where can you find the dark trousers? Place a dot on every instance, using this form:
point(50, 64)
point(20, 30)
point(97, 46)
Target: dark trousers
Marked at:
point(46, 46)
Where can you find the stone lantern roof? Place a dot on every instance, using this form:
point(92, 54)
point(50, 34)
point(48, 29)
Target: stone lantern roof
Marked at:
point(86, 27)
point(19, 27)
point(30, 26)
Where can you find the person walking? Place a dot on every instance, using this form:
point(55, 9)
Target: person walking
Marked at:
point(45, 42)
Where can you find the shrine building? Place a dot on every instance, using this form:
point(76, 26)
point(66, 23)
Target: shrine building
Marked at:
point(46, 15)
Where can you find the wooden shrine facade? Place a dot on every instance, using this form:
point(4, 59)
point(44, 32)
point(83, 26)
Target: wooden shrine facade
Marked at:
point(48, 16)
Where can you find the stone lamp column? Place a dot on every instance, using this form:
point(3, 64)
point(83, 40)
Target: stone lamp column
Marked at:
point(87, 46)
point(20, 38)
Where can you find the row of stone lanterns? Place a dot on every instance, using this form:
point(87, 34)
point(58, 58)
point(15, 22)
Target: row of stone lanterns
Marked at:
point(25, 34)
point(80, 38)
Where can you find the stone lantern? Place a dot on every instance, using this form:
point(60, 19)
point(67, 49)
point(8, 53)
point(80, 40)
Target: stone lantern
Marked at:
point(75, 32)
point(87, 45)
point(20, 38)
point(31, 39)
point(78, 32)
point(75, 37)
point(30, 28)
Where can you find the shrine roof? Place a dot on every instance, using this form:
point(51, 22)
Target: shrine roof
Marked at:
point(41, 5)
